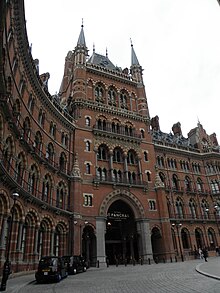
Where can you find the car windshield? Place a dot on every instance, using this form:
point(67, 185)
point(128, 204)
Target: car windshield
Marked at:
point(44, 262)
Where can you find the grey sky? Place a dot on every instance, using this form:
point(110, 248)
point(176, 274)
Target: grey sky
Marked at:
point(176, 42)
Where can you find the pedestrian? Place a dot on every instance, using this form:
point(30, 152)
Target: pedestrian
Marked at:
point(200, 253)
point(205, 253)
point(217, 250)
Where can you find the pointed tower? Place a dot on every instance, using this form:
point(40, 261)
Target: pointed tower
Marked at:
point(136, 75)
point(81, 51)
point(136, 69)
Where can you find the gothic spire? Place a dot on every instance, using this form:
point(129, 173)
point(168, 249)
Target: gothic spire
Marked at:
point(134, 60)
point(81, 40)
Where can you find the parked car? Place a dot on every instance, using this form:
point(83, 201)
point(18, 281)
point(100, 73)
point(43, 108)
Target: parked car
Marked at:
point(51, 268)
point(75, 264)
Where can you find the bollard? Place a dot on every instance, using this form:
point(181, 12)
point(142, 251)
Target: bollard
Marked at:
point(133, 261)
point(116, 262)
point(141, 261)
point(107, 262)
point(97, 263)
point(171, 260)
point(175, 258)
point(149, 261)
point(125, 262)
point(164, 260)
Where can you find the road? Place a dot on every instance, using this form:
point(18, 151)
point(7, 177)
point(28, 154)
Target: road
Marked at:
point(178, 277)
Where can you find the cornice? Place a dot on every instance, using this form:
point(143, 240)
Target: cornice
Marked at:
point(109, 110)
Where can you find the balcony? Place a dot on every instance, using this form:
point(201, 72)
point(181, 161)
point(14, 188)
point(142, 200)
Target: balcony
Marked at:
point(120, 182)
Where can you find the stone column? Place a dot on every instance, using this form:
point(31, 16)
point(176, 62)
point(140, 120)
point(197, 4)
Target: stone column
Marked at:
point(143, 229)
point(3, 233)
point(139, 170)
point(111, 164)
point(126, 167)
point(52, 242)
point(100, 234)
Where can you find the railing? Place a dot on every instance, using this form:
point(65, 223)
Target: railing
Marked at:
point(120, 131)
point(16, 181)
point(119, 181)
point(190, 217)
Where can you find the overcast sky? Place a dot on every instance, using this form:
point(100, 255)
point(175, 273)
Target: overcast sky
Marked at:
point(176, 42)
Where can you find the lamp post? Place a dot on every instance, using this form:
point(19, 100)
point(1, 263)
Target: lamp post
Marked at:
point(7, 264)
point(179, 225)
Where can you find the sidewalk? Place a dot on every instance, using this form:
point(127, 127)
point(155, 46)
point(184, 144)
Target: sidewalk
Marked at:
point(211, 268)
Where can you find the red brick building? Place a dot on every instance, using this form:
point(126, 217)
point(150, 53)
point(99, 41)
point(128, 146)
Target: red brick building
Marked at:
point(94, 173)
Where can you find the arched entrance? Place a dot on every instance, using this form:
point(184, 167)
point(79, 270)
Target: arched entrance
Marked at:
point(121, 239)
point(156, 240)
point(89, 245)
point(199, 238)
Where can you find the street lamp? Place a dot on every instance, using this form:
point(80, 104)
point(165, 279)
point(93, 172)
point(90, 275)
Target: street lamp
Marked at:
point(179, 225)
point(7, 264)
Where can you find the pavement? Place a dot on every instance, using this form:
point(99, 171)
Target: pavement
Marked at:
point(24, 283)
point(211, 268)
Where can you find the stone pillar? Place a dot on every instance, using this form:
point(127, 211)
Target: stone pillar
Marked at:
point(126, 166)
point(100, 234)
point(143, 229)
point(139, 170)
point(3, 233)
point(52, 242)
point(111, 164)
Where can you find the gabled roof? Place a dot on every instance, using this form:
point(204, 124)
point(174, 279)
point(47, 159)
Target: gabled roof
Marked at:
point(101, 60)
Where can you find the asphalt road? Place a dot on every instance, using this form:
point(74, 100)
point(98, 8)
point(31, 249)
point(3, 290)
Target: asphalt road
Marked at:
point(156, 278)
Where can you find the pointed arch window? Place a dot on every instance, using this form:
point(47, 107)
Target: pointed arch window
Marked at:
point(111, 97)
point(199, 184)
point(19, 169)
point(175, 182)
point(123, 100)
point(38, 143)
point(99, 94)
point(192, 208)
point(61, 196)
point(205, 209)
point(46, 190)
point(7, 153)
point(88, 146)
point(117, 155)
point(188, 184)
point(32, 180)
point(63, 162)
point(179, 208)
point(88, 121)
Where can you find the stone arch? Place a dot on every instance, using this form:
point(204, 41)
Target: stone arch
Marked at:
point(4, 202)
point(127, 197)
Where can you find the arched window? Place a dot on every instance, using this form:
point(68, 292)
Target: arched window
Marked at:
point(102, 153)
point(179, 208)
point(145, 156)
point(148, 176)
point(163, 178)
point(175, 182)
point(50, 153)
point(214, 186)
point(123, 100)
point(185, 238)
point(88, 121)
point(199, 184)
point(46, 190)
point(63, 162)
point(8, 153)
point(142, 133)
point(61, 196)
point(19, 169)
point(88, 168)
point(31, 103)
point(205, 209)
point(32, 180)
point(26, 129)
point(87, 146)
point(38, 143)
point(117, 155)
point(192, 208)
point(111, 97)
point(188, 184)
point(99, 94)
point(131, 158)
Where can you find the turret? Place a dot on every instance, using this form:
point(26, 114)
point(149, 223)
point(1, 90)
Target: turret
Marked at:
point(81, 51)
point(136, 69)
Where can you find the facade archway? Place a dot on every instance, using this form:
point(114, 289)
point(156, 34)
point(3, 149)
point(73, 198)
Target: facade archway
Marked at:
point(121, 238)
point(199, 238)
point(130, 244)
point(89, 245)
